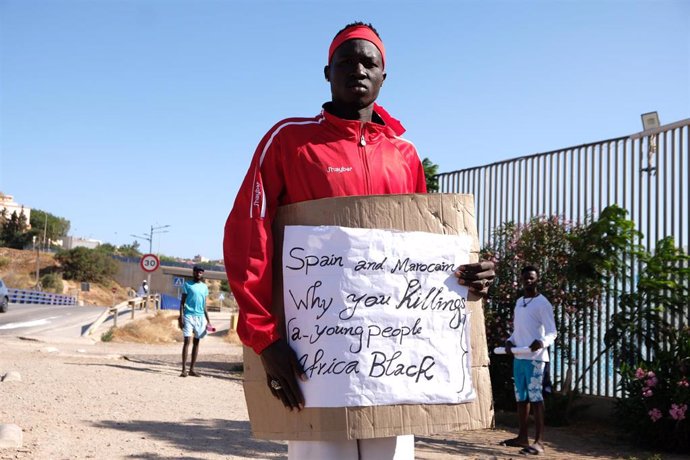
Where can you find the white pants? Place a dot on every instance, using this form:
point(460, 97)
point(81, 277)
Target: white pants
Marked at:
point(394, 448)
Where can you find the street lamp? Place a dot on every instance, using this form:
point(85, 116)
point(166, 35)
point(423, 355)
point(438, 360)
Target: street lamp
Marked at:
point(153, 231)
point(650, 120)
point(149, 238)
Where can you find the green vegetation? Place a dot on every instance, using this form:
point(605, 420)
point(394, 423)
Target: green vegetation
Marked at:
point(14, 230)
point(47, 228)
point(82, 264)
point(164, 259)
point(576, 262)
point(126, 250)
point(129, 250)
point(430, 172)
point(107, 248)
point(108, 335)
point(648, 336)
point(650, 341)
point(52, 282)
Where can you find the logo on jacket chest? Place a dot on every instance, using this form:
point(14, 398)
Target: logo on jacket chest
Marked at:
point(338, 169)
point(257, 194)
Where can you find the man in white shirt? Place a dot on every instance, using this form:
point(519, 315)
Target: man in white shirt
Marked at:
point(143, 289)
point(534, 328)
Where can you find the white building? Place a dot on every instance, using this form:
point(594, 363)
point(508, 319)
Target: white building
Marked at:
point(9, 205)
point(71, 242)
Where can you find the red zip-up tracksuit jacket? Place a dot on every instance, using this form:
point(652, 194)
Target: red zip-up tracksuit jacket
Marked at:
point(303, 159)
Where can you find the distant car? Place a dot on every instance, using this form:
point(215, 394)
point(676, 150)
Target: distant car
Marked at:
point(4, 297)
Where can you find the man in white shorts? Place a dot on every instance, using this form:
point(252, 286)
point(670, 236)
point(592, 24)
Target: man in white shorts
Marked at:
point(193, 317)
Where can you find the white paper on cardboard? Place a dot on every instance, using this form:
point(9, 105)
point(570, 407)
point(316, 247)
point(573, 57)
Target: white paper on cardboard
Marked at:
point(376, 317)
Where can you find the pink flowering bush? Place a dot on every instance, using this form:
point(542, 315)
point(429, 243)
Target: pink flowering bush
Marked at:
point(651, 346)
point(677, 411)
point(657, 416)
point(576, 261)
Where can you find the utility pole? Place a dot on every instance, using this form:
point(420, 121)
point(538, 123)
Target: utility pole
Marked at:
point(45, 230)
point(38, 260)
point(153, 231)
point(149, 238)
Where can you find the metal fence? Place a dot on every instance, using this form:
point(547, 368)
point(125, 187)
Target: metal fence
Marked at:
point(39, 297)
point(646, 173)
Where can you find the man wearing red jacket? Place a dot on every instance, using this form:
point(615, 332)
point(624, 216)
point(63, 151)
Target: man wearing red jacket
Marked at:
point(353, 147)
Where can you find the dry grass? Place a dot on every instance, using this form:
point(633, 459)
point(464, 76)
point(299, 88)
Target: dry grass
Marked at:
point(160, 328)
point(20, 273)
point(22, 266)
point(233, 338)
point(19, 280)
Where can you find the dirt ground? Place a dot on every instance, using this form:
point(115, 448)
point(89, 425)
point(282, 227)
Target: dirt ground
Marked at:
point(81, 398)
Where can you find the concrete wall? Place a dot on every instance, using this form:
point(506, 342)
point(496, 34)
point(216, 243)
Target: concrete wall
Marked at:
point(131, 274)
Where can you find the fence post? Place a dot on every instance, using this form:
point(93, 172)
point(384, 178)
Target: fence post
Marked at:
point(132, 304)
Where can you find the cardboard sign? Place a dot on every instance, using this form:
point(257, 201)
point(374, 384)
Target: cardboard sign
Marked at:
point(446, 214)
point(377, 316)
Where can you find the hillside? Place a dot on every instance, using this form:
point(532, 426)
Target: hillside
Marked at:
point(18, 270)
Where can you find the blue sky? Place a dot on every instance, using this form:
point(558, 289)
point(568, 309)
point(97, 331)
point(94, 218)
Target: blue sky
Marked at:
point(119, 115)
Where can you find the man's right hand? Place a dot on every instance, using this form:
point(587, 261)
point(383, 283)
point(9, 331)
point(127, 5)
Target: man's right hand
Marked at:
point(180, 322)
point(281, 365)
point(508, 346)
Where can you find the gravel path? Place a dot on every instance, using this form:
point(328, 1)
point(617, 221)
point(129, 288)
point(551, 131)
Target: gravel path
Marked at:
point(80, 399)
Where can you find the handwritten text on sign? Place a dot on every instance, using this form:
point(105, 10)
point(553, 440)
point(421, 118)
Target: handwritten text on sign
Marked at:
point(376, 317)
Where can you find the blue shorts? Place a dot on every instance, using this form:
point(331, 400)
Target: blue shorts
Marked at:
point(194, 325)
point(528, 376)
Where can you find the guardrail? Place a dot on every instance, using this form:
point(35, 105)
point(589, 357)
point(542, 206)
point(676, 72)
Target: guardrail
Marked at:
point(152, 301)
point(38, 297)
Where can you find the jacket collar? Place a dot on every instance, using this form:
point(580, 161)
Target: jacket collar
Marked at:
point(382, 123)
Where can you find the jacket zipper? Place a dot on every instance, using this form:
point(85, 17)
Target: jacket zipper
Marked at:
point(363, 154)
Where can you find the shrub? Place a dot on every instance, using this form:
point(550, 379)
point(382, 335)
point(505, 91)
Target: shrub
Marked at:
point(4, 262)
point(52, 282)
point(82, 264)
point(430, 174)
point(652, 351)
point(654, 409)
point(108, 335)
point(575, 261)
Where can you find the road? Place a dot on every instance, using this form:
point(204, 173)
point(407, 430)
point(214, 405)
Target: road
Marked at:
point(53, 320)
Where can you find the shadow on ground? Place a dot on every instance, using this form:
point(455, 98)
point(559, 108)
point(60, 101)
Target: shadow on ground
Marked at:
point(583, 440)
point(199, 437)
point(453, 447)
point(215, 366)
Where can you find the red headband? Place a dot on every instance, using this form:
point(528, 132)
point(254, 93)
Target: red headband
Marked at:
point(351, 33)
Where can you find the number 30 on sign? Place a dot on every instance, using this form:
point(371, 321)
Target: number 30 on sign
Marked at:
point(149, 263)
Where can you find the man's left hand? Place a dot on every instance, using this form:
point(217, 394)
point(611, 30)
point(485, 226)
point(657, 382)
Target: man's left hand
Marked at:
point(477, 277)
point(536, 345)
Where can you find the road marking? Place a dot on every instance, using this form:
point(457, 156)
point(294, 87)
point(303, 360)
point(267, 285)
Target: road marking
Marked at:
point(38, 322)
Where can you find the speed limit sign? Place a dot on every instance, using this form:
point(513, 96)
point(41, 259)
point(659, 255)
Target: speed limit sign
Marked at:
point(149, 263)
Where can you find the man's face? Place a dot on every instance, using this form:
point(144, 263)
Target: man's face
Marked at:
point(198, 275)
point(529, 280)
point(355, 73)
